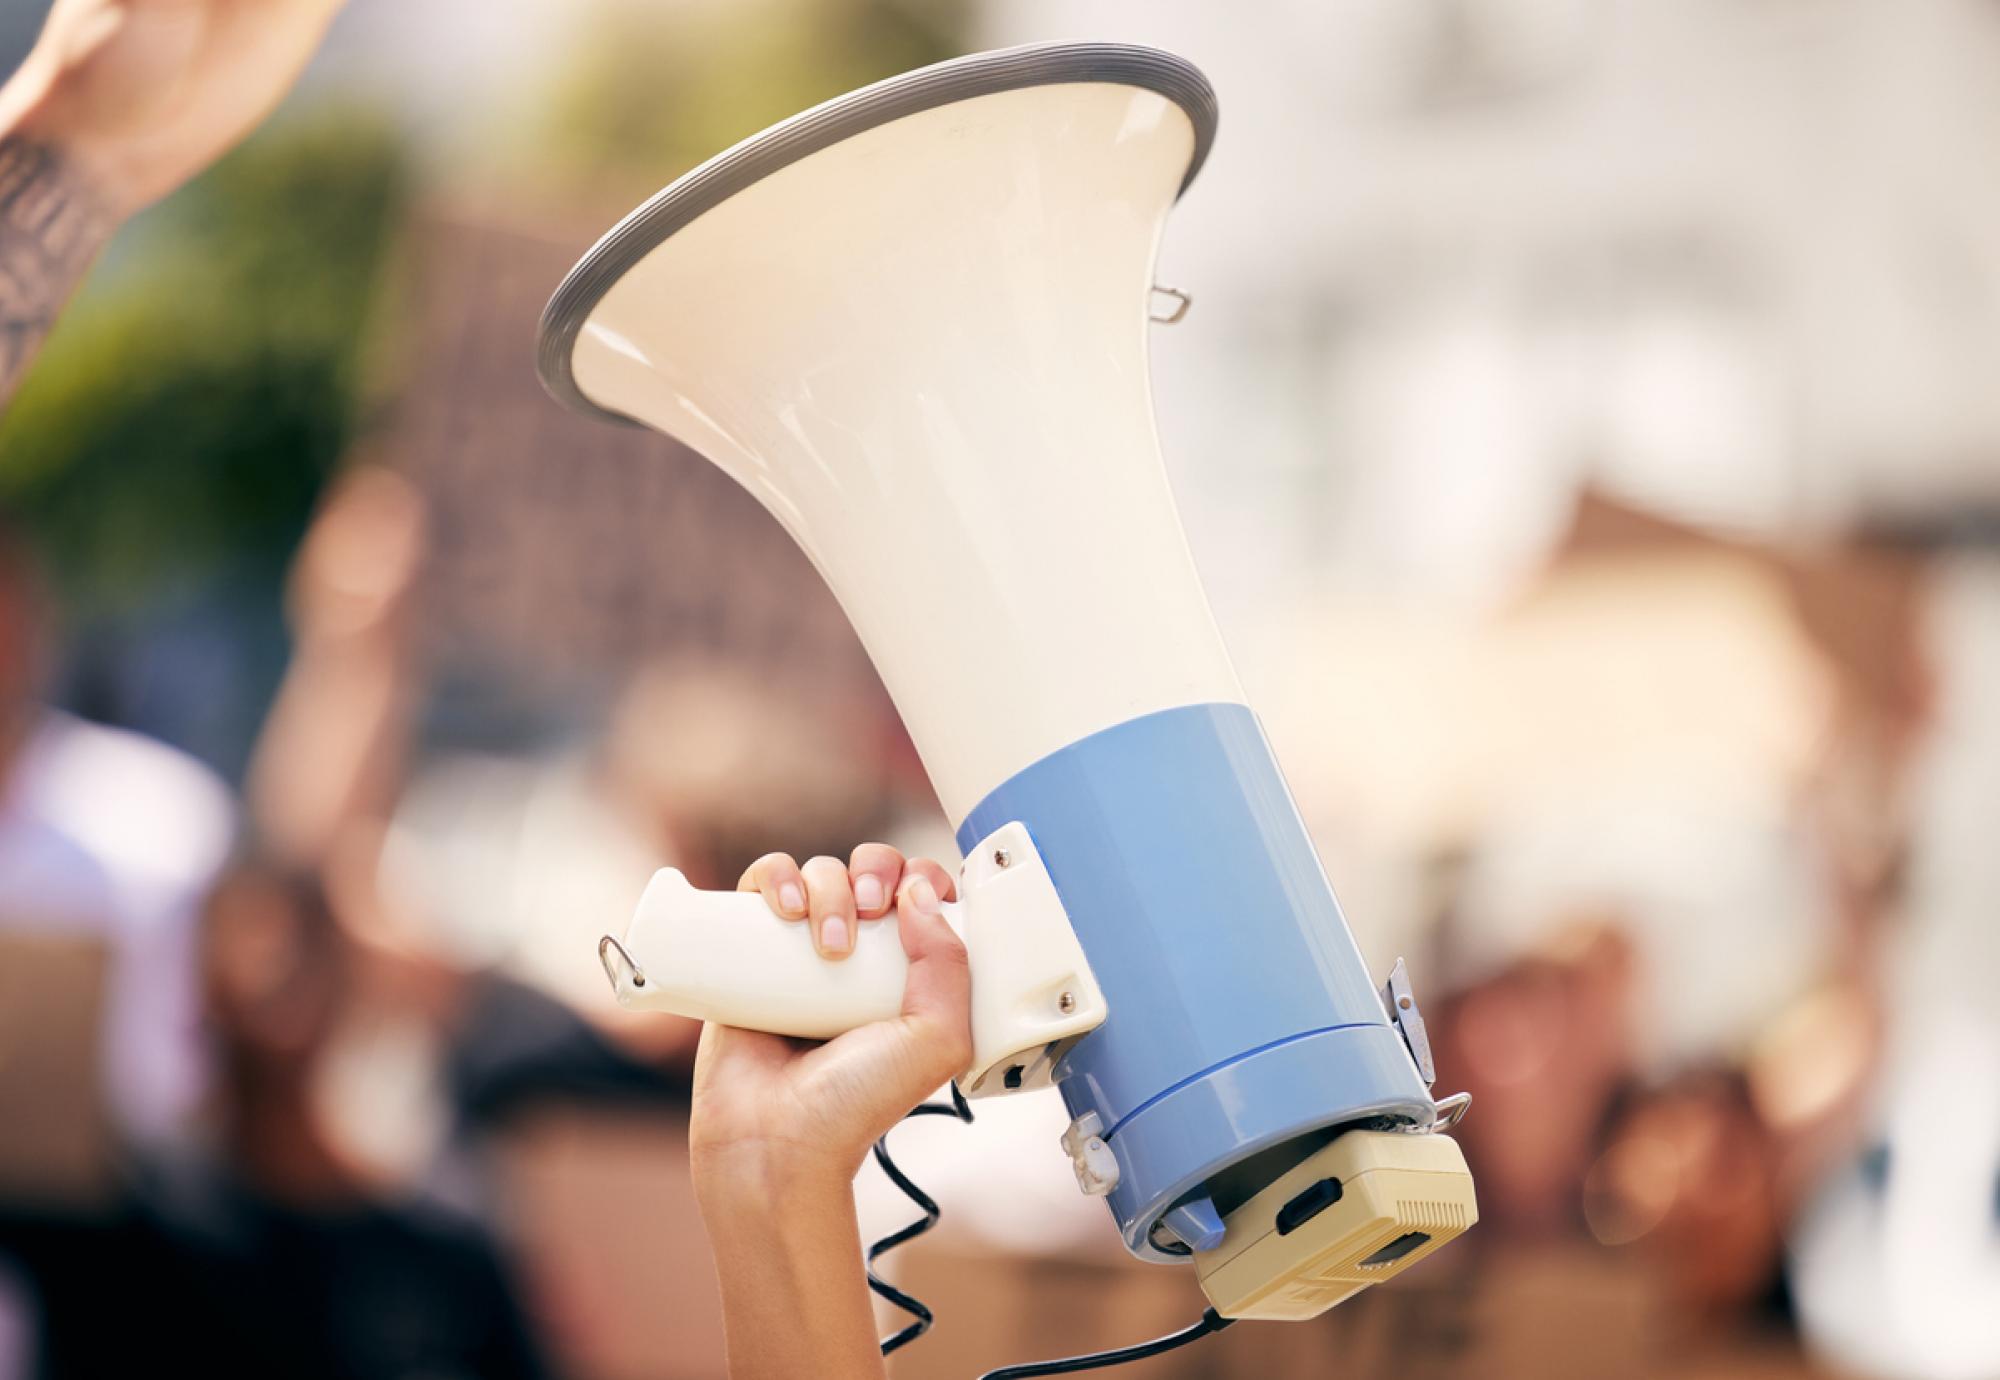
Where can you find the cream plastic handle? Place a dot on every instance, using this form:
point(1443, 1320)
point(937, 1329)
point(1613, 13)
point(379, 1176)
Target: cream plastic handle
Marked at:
point(724, 956)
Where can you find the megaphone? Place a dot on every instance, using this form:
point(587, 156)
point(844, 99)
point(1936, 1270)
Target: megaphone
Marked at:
point(913, 323)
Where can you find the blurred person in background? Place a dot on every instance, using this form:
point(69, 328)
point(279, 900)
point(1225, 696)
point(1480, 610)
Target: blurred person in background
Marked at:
point(505, 867)
point(291, 1254)
point(481, 1052)
point(272, 1247)
point(124, 870)
point(1617, 1138)
point(327, 1111)
point(107, 843)
point(115, 839)
point(118, 103)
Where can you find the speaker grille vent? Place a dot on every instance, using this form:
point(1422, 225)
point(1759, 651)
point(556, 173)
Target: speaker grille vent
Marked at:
point(1337, 1271)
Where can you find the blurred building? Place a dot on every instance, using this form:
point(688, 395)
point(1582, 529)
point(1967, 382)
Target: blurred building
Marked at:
point(565, 550)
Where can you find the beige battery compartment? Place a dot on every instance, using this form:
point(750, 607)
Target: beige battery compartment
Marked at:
point(1360, 1210)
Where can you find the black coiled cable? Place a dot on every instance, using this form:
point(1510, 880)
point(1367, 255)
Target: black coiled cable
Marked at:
point(922, 1317)
point(1210, 1321)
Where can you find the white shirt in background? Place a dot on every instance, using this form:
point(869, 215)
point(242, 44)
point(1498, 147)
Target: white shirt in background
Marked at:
point(105, 832)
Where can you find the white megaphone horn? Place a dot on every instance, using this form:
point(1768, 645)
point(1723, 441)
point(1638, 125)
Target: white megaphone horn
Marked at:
point(913, 322)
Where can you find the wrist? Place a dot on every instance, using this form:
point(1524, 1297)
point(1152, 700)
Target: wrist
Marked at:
point(788, 1258)
point(750, 1181)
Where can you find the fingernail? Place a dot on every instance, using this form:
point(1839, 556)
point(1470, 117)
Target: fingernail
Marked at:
point(924, 897)
point(791, 900)
point(868, 892)
point(833, 934)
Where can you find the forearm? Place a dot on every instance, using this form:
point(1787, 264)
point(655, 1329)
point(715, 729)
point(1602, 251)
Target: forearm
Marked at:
point(333, 748)
point(117, 104)
point(52, 223)
point(794, 1299)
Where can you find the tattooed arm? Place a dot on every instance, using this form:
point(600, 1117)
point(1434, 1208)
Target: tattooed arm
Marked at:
point(120, 102)
point(51, 224)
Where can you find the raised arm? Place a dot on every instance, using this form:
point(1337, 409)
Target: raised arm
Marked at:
point(120, 102)
point(779, 1130)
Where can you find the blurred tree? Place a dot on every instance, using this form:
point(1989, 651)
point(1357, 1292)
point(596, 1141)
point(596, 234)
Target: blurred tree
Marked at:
point(192, 401)
point(654, 90)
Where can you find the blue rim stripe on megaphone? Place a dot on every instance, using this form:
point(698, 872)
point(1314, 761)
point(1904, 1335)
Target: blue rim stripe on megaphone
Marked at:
point(1242, 1014)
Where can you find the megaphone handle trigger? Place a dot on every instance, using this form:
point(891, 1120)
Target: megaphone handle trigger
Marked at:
point(723, 956)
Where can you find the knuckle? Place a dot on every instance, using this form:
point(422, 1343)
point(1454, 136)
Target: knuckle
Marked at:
point(938, 874)
point(874, 857)
point(951, 948)
point(770, 868)
point(828, 884)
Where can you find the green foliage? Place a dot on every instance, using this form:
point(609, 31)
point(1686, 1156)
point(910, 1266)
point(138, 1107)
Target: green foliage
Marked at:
point(191, 403)
point(655, 91)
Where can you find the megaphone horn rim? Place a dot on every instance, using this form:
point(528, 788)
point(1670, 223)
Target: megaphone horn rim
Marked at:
point(746, 163)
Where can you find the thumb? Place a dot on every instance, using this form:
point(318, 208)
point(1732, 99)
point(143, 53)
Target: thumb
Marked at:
point(867, 1078)
point(937, 994)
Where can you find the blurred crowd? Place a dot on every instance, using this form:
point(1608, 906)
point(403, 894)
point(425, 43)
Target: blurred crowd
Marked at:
point(324, 1078)
point(261, 1146)
point(307, 1066)
point(266, 1086)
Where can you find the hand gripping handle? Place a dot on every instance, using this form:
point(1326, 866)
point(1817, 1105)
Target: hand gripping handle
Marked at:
point(724, 956)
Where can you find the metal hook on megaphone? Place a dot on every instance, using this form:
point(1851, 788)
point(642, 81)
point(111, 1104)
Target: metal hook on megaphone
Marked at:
point(623, 972)
point(1182, 301)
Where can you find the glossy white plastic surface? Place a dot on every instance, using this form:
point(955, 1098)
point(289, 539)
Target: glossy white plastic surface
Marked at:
point(924, 350)
point(724, 956)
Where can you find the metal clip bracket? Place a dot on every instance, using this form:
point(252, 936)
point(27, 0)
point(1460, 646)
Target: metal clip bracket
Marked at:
point(1402, 1004)
point(1451, 1110)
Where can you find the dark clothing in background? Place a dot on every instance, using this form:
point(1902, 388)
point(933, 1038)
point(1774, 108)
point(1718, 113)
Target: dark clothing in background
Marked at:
point(516, 1049)
point(194, 1271)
